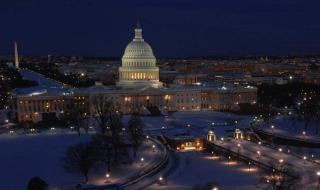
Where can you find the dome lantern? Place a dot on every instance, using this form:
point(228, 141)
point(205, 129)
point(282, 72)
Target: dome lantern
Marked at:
point(138, 33)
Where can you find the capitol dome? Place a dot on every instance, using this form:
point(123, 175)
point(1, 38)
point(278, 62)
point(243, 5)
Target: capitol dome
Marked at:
point(138, 49)
point(138, 67)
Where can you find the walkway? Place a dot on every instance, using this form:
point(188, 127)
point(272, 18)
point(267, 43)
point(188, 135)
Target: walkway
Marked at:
point(307, 169)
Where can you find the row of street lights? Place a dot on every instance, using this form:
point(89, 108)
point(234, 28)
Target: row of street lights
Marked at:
point(142, 161)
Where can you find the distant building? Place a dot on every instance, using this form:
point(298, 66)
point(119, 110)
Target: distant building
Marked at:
point(138, 89)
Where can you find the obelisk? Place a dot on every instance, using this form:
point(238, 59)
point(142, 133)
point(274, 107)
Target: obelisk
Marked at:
point(16, 55)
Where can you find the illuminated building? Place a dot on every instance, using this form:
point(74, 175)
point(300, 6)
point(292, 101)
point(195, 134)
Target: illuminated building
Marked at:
point(138, 89)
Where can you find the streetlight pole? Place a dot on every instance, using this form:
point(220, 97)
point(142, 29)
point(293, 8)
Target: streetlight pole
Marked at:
point(318, 185)
point(239, 151)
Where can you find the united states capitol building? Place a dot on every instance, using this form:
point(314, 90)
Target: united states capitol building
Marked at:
point(138, 89)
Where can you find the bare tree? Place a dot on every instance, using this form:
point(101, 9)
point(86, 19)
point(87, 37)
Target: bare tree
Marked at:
point(306, 111)
point(266, 112)
point(109, 119)
point(75, 115)
point(103, 148)
point(135, 132)
point(80, 158)
point(317, 114)
point(103, 107)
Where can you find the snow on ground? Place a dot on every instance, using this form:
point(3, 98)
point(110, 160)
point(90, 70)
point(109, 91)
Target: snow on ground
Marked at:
point(292, 127)
point(222, 122)
point(198, 169)
point(310, 153)
point(25, 156)
point(306, 168)
point(28, 155)
point(122, 173)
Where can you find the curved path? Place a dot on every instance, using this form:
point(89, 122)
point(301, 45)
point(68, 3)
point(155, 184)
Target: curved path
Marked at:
point(151, 174)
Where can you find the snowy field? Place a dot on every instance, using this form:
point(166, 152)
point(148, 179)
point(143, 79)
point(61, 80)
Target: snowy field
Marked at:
point(292, 127)
point(198, 169)
point(25, 156)
point(221, 122)
point(201, 121)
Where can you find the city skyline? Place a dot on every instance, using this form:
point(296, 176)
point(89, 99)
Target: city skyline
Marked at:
point(176, 28)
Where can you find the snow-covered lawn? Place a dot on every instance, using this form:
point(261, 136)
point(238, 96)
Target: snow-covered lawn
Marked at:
point(198, 169)
point(25, 156)
point(200, 121)
point(221, 122)
point(122, 173)
point(291, 127)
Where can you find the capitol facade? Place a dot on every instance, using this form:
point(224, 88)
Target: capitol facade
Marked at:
point(138, 90)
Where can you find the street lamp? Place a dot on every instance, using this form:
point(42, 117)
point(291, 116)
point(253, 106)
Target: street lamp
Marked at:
point(161, 181)
point(239, 145)
point(142, 161)
point(259, 154)
point(107, 178)
point(304, 159)
point(272, 128)
point(280, 161)
point(222, 139)
point(153, 148)
point(147, 138)
point(215, 188)
point(318, 175)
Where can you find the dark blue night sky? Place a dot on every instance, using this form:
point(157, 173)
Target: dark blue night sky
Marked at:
point(174, 28)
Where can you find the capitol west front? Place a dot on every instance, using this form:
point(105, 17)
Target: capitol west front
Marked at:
point(138, 89)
